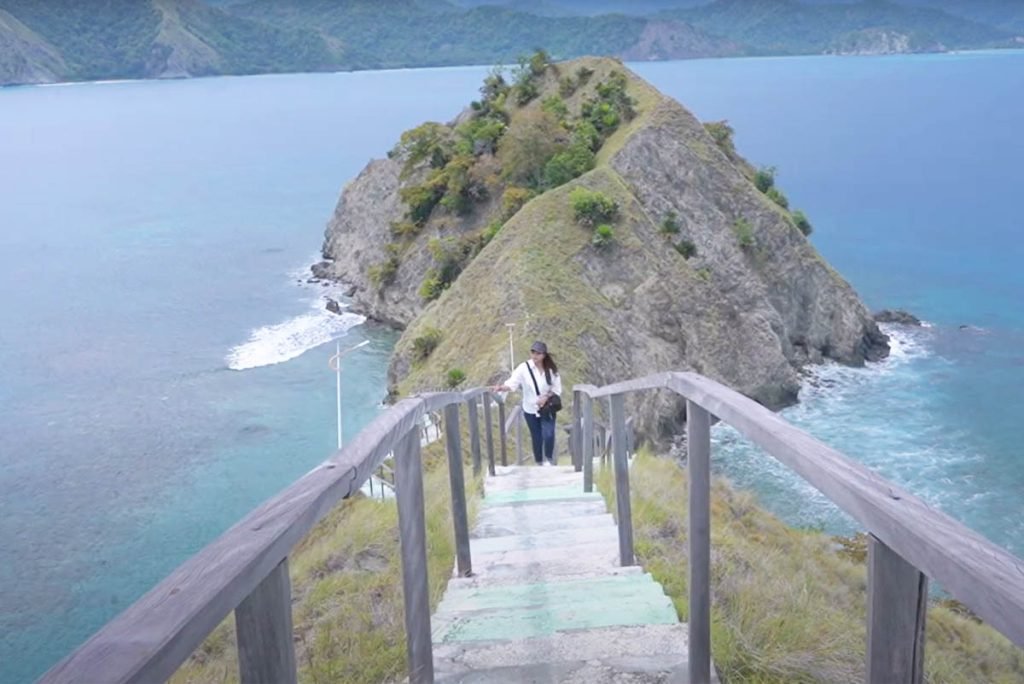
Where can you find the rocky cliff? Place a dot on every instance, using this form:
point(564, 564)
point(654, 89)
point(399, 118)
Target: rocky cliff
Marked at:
point(702, 269)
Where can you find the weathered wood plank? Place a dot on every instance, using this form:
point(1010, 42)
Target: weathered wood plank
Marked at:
point(897, 609)
point(575, 441)
point(622, 505)
point(698, 464)
point(152, 637)
point(503, 433)
point(474, 435)
point(489, 433)
point(412, 535)
point(988, 579)
point(588, 443)
point(456, 479)
point(263, 625)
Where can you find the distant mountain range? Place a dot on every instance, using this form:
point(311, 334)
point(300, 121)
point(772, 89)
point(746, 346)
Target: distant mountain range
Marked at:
point(44, 41)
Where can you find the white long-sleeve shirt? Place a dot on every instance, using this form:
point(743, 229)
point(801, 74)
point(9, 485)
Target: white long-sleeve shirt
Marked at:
point(520, 379)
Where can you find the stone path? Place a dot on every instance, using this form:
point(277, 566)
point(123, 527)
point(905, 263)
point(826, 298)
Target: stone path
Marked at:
point(548, 601)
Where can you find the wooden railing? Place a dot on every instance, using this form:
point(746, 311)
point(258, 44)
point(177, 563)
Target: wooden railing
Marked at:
point(245, 570)
point(908, 541)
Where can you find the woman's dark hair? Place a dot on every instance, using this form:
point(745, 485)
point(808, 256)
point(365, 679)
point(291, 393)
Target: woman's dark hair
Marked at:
point(549, 367)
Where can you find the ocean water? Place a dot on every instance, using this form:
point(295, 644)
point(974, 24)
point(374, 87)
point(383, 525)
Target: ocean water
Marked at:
point(163, 363)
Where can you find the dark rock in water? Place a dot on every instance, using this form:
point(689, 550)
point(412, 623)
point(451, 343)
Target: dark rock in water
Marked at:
point(333, 306)
point(349, 291)
point(313, 280)
point(897, 316)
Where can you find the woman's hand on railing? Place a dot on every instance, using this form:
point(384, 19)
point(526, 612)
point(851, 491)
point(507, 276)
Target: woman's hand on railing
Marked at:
point(499, 388)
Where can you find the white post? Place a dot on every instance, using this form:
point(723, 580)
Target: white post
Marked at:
point(335, 364)
point(511, 350)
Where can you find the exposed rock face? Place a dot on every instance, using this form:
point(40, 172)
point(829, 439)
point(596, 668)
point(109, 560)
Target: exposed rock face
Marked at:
point(25, 57)
point(747, 312)
point(678, 40)
point(879, 41)
point(896, 316)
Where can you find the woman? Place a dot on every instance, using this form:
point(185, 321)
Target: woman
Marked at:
point(539, 380)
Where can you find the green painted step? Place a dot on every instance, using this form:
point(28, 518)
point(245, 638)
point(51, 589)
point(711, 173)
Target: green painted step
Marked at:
point(526, 623)
point(602, 589)
point(539, 494)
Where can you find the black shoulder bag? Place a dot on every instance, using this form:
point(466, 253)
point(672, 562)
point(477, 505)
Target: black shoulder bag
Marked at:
point(554, 403)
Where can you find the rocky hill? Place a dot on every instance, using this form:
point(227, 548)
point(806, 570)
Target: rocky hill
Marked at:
point(662, 250)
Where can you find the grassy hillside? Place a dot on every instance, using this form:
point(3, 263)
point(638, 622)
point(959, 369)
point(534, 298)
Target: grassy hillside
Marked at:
point(788, 605)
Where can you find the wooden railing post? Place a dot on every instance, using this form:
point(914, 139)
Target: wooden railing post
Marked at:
point(897, 606)
point(489, 432)
point(575, 441)
point(587, 442)
point(625, 514)
point(474, 434)
point(502, 433)
point(458, 484)
point(698, 462)
point(413, 538)
point(519, 441)
point(263, 625)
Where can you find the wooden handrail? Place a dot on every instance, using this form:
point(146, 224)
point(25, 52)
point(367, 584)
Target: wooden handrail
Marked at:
point(908, 538)
point(150, 639)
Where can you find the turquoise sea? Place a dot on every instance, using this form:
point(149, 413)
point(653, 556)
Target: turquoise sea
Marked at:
point(163, 363)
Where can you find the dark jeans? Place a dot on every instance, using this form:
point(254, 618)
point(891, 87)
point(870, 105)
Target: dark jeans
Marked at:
point(542, 434)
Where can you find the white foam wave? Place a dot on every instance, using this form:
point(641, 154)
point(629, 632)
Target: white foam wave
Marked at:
point(905, 343)
point(272, 344)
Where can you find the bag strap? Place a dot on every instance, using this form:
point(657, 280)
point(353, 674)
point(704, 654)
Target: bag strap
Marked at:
point(536, 388)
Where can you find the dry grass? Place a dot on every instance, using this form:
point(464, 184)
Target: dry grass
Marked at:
point(347, 591)
point(788, 606)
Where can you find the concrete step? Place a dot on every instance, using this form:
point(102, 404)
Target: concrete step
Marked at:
point(511, 575)
point(606, 589)
point(524, 622)
point(534, 495)
point(557, 539)
point(596, 555)
point(500, 522)
point(541, 511)
point(651, 653)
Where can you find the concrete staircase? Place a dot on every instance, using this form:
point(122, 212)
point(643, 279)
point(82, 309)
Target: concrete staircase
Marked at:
point(548, 601)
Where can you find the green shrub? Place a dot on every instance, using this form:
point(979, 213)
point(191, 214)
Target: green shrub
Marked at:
point(421, 199)
point(425, 344)
point(775, 195)
point(513, 199)
point(489, 232)
point(566, 86)
point(802, 223)
point(764, 179)
point(583, 75)
point(429, 141)
point(591, 207)
point(404, 229)
point(455, 377)
point(555, 106)
point(744, 233)
point(670, 224)
point(431, 287)
point(603, 236)
point(686, 248)
point(721, 132)
point(383, 273)
point(575, 161)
